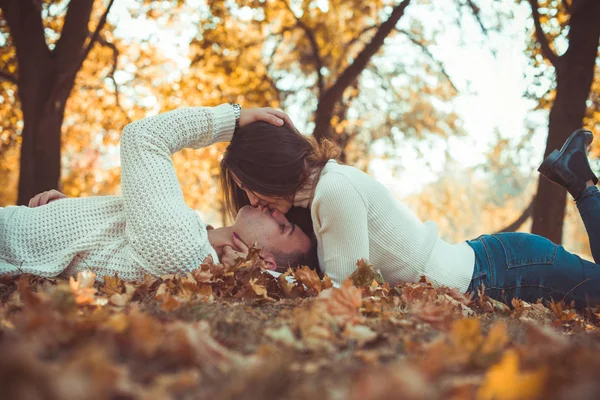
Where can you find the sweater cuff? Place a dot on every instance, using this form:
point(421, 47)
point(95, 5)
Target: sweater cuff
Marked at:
point(224, 123)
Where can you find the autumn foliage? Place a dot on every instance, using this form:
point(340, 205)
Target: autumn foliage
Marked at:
point(238, 332)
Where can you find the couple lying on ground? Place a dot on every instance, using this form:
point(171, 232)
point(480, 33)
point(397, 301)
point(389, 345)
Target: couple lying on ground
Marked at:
point(268, 171)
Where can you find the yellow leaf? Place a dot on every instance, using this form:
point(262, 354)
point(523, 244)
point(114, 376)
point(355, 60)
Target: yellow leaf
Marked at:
point(259, 289)
point(504, 381)
point(117, 322)
point(466, 334)
point(495, 340)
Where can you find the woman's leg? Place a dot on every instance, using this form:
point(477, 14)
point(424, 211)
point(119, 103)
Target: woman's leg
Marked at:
point(589, 209)
point(531, 267)
point(569, 167)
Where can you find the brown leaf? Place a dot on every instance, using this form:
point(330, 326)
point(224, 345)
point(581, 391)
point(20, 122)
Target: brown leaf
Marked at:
point(290, 290)
point(309, 278)
point(342, 304)
point(202, 276)
point(121, 299)
point(28, 297)
point(194, 345)
point(364, 274)
point(144, 334)
point(112, 285)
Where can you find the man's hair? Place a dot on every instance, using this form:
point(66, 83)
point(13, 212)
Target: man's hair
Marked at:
point(297, 259)
point(300, 217)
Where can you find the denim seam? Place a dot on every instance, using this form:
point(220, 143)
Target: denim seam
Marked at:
point(511, 259)
point(489, 258)
point(508, 253)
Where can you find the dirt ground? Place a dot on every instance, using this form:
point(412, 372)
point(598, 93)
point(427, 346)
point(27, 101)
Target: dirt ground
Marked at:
point(239, 333)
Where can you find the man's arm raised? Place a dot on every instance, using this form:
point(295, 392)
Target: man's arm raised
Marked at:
point(165, 234)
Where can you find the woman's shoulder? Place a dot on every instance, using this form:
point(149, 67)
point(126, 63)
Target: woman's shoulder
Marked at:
point(335, 172)
point(338, 178)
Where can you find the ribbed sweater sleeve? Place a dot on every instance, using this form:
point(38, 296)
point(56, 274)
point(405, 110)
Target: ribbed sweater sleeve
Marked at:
point(342, 216)
point(165, 234)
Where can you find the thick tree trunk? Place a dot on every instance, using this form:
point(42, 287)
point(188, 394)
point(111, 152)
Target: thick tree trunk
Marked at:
point(45, 80)
point(574, 76)
point(41, 145)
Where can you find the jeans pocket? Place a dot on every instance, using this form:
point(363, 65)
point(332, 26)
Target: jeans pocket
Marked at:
point(525, 249)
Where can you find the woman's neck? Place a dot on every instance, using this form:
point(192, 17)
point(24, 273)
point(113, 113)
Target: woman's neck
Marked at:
point(304, 196)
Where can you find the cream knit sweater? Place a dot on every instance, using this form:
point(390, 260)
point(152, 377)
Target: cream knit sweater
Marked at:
point(149, 229)
point(354, 217)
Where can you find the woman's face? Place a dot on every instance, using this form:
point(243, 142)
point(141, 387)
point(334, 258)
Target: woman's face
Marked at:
point(281, 204)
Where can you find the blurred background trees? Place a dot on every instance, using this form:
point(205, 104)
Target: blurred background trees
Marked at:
point(372, 75)
point(565, 51)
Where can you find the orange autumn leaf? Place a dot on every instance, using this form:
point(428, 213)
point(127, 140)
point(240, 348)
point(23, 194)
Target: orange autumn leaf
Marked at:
point(82, 288)
point(259, 289)
point(505, 381)
point(309, 278)
point(112, 285)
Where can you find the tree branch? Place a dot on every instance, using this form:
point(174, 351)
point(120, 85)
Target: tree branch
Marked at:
point(363, 58)
point(66, 79)
point(476, 13)
point(268, 67)
point(96, 34)
point(315, 49)
point(74, 33)
point(547, 52)
point(357, 37)
point(7, 76)
point(111, 74)
point(354, 40)
point(430, 56)
point(519, 221)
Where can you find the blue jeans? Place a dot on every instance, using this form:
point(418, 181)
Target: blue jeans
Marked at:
point(531, 267)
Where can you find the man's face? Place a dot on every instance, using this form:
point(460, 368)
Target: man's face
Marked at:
point(270, 230)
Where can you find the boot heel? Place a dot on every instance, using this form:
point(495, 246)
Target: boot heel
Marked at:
point(549, 162)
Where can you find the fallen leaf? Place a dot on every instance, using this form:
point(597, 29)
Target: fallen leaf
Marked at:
point(504, 381)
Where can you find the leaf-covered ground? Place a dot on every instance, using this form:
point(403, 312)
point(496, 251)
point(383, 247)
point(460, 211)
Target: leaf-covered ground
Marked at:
point(239, 333)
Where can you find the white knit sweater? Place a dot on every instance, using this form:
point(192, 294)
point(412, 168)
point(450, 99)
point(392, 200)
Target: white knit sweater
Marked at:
point(354, 217)
point(149, 229)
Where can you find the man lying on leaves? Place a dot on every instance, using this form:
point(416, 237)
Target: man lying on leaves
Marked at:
point(150, 229)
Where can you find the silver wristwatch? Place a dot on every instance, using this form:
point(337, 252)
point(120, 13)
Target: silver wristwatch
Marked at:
point(237, 111)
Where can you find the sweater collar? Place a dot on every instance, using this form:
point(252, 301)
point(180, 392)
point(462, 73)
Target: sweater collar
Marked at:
point(304, 196)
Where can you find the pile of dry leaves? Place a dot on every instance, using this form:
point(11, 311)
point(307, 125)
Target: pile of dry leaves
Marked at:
point(238, 332)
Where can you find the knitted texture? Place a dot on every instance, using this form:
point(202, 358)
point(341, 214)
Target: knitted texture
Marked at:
point(354, 217)
point(149, 229)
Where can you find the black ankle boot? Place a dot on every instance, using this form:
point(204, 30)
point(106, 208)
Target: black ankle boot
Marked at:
point(569, 167)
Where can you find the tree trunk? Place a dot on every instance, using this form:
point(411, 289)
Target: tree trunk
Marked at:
point(45, 80)
point(574, 76)
point(41, 145)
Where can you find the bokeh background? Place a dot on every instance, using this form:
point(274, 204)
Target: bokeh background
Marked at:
point(452, 104)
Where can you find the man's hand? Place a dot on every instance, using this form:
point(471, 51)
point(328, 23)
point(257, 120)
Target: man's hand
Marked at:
point(266, 114)
point(45, 198)
point(232, 253)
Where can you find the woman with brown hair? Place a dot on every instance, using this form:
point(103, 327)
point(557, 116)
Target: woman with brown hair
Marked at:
point(355, 217)
point(149, 229)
